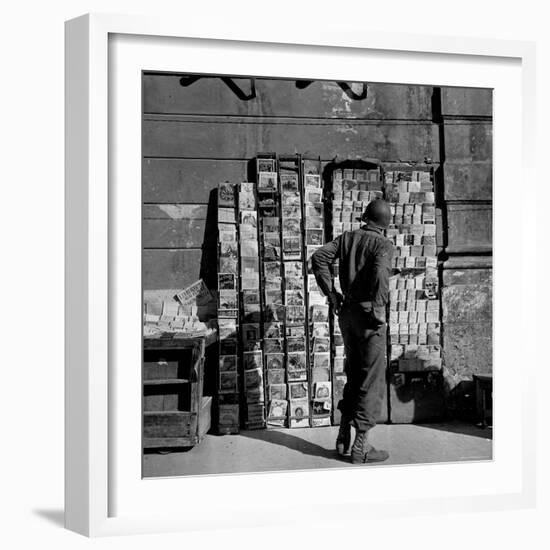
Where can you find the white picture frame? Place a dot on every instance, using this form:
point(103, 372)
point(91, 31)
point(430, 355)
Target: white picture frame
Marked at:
point(104, 53)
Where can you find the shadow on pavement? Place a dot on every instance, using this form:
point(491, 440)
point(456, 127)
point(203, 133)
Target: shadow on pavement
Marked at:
point(460, 428)
point(291, 442)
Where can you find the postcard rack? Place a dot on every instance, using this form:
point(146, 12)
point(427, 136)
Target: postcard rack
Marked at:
point(250, 309)
point(317, 310)
point(228, 384)
point(414, 306)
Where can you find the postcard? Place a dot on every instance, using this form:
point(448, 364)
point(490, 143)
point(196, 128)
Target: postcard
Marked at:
point(291, 198)
point(251, 297)
point(273, 283)
point(228, 382)
point(228, 363)
point(313, 195)
point(276, 391)
point(273, 345)
point(228, 347)
point(320, 374)
point(228, 249)
point(321, 345)
point(277, 408)
point(252, 360)
point(226, 194)
point(293, 269)
point(299, 408)
point(296, 361)
point(315, 210)
point(250, 281)
point(250, 265)
point(276, 376)
point(298, 390)
point(320, 330)
point(273, 330)
point(312, 180)
point(295, 344)
point(227, 281)
point(291, 227)
point(292, 211)
point(314, 236)
point(322, 390)
point(226, 215)
point(249, 249)
point(228, 265)
point(267, 182)
point(289, 182)
point(228, 299)
point(318, 314)
point(321, 360)
point(265, 165)
point(253, 378)
point(251, 331)
point(274, 360)
point(294, 283)
point(273, 296)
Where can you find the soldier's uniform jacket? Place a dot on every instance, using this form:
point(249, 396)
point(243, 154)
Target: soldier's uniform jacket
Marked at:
point(365, 259)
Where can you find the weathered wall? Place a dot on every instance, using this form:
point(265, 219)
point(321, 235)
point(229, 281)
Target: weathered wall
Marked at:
point(466, 188)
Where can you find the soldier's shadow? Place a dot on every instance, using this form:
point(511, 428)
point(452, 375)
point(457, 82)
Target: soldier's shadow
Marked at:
point(292, 442)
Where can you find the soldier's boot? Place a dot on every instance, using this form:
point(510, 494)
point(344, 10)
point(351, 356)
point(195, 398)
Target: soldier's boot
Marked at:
point(343, 440)
point(363, 452)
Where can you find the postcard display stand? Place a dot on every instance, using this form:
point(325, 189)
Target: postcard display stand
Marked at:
point(252, 360)
point(352, 190)
point(228, 395)
point(414, 307)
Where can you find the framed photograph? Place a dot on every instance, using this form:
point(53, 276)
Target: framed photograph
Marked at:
point(141, 226)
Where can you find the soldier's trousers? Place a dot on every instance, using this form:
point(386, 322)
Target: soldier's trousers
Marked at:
point(365, 366)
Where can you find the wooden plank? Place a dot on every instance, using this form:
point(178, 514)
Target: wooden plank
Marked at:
point(167, 269)
point(470, 228)
point(174, 211)
point(168, 424)
point(243, 138)
point(468, 181)
point(187, 181)
point(321, 99)
point(157, 442)
point(468, 141)
point(466, 101)
point(174, 233)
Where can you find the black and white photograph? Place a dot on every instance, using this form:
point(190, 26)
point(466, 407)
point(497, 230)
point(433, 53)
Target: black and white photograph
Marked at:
point(372, 230)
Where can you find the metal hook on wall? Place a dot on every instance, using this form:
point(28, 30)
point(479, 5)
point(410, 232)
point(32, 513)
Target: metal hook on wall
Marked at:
point(351, 94)
point(229, 82)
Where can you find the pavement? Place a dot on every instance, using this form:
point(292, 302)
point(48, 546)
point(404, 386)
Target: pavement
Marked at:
point(306, 448)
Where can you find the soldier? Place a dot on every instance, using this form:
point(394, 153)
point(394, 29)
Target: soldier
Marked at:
point(364, 257)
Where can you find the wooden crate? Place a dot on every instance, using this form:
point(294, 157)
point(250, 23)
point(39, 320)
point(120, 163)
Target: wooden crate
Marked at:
point(175, 412)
